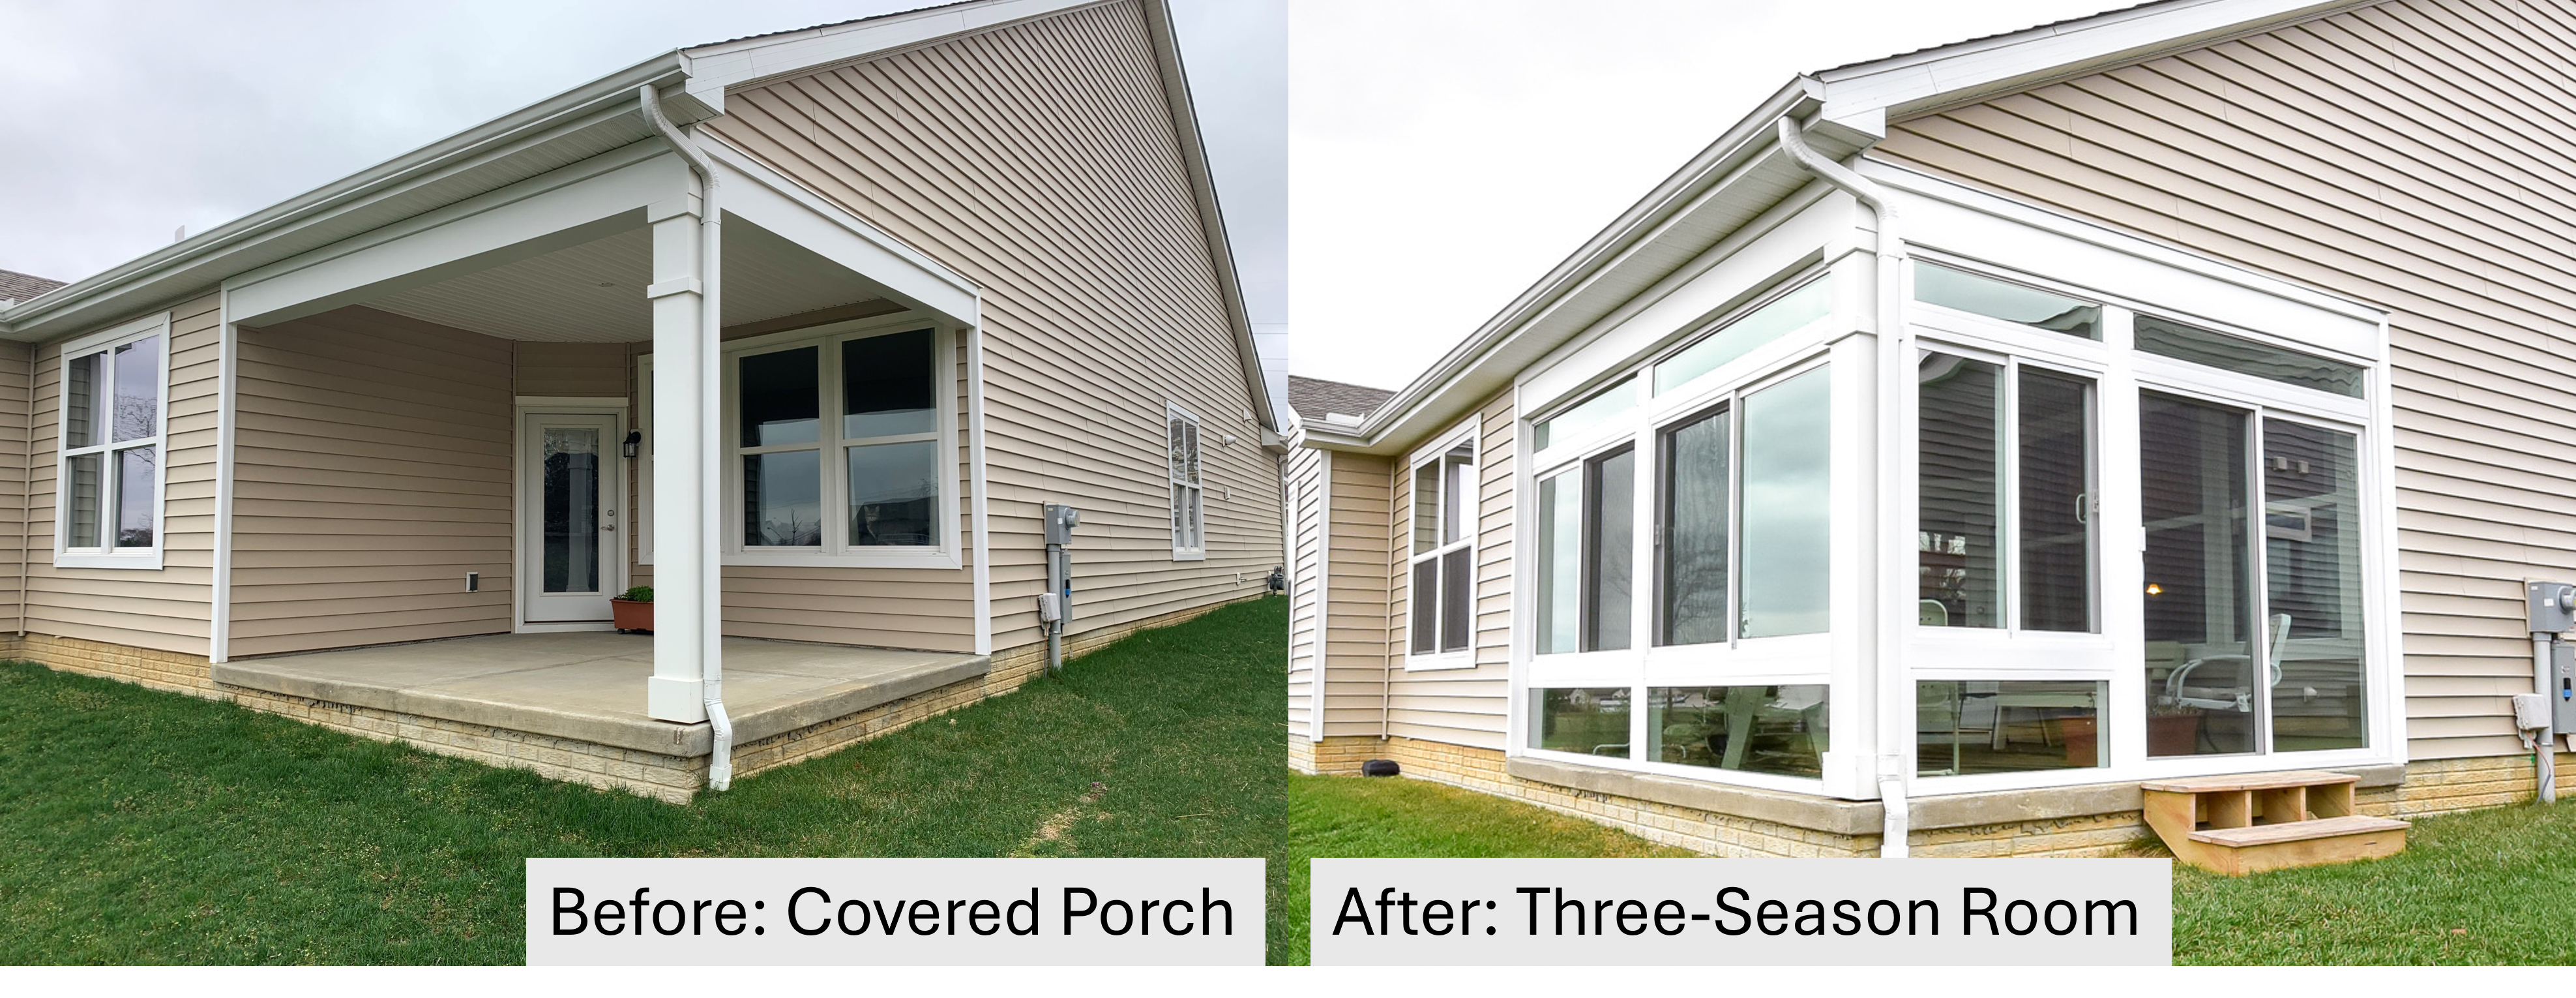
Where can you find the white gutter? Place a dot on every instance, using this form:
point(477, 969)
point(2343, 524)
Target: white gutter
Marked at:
point(981, 509)
point(710, 570)
point(1894, 698)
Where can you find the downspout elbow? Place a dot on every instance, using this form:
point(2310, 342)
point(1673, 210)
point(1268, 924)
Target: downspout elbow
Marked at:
point(710, 255)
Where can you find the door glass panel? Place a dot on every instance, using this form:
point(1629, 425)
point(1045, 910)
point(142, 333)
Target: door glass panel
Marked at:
point(81, 496)
point(778, 397)
point(2056, 502)
point(1609, 548)
point(1696, 484)
point(138, 389)
point(2312, 554)
point(134, 489)
point(889, 385)
point(783, 499)
point(1957, 540)
point(1584, 721)
point(1754, 729)
point(2200, 656)
point(80, 401)
point(1787, 446)
point(570, 506)
point(894, 494)
point(1991, 726)
point(1560, 546)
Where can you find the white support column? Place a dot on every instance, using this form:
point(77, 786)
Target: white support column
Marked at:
point(681, 546)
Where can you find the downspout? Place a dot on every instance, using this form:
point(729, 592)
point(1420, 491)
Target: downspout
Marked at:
point(975, 480)
point(710, 330)
point(2544, 740)
point(1892, 349)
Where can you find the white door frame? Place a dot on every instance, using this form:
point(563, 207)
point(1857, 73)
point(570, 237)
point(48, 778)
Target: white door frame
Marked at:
point(617, 466)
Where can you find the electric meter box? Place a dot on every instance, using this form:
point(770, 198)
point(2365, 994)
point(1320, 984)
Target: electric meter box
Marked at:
point(1060, 521)
point(2552, 606)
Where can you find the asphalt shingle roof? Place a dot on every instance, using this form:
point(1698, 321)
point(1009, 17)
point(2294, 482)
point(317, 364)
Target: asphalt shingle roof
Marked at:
point(15, 286)
point(1313, 397)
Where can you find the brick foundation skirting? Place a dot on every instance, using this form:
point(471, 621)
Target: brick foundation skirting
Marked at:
point(650, 774)
point(2430, 787)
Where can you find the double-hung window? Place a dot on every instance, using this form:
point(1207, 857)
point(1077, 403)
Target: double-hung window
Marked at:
point(1189, 495)
point(114, 386)
point(839, 447)
point(1443, 556)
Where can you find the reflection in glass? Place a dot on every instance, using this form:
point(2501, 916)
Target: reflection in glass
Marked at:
point(569, 505)
point(777, 397)
point(2200, 656)
point(1426, 508)
point(1609, 545)
point(1587, 721)
point(81, 498)
point(1787, 444)
point(80, 401)
point(1425, 605)
point(2243, 356)
point(134, 491)
point(894, 494)
point(1956, 541)
point(1782, 316)
point(1560, 544)
point(2056, 511)
point(1986, 296)
point(783, 499)
point(1616, 399)
point(1987, 726)
point(1457, 594)
point(1457, 488)
point(1696, 487)
point(1756, 729)
point(137, 408)
point(889, 385)
point(2312, 554)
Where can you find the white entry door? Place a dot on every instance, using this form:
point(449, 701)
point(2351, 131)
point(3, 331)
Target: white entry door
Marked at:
point(568, 544)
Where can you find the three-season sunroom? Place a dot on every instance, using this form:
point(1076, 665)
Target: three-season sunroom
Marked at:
point(2098, 511)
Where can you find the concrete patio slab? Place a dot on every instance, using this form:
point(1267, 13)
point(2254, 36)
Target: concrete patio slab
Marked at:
point(589, 686)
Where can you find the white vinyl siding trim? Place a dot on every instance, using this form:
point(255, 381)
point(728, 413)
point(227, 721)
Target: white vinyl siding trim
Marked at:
point(108, 451)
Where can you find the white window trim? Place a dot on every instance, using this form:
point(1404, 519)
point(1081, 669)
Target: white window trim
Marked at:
point(834, 553)
point(1472, 511)
point(150, 558)
point(1197, 491)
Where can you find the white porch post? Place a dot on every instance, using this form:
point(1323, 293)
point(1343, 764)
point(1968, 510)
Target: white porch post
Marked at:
point(682, 546)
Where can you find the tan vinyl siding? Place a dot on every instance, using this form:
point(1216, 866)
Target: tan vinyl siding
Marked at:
point(1305, 573)
point(165, 609)
point(373, 471)
point(2379, 154)
point(1465, 706)
point(1040, 161)
point(570, 370)
point(17, 398)
point(1362, 617)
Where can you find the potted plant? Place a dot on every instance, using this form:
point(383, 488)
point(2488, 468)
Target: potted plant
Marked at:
point(2172, 729)
point(633, 610)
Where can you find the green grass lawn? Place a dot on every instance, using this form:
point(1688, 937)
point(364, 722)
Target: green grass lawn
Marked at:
point(147, 827)
point(2485, 887)
point(1352, 816)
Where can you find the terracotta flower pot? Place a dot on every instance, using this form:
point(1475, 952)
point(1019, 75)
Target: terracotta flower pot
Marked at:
point(2173, 734)
point(632, 614)
point(2082, 750)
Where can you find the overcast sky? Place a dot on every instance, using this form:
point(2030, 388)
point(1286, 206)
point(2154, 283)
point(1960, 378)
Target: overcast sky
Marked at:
point(1444, 154)
point(129, 119)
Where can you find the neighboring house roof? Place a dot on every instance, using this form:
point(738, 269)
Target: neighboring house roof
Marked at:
point(1316, 400)
point(15, 286)
point(588, 120)
point(1844, 111)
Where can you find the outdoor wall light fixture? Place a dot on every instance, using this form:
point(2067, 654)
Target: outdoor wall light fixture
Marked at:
point(634, 440)
point(2152, 589)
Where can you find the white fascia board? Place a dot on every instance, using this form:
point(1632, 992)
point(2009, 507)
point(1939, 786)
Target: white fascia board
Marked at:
point(1917, 81)
point(762, 197)
point(749, 62)
point(207, 258)
point(567, 207)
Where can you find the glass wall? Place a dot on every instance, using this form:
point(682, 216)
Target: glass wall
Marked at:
point(2312, 562)
point(1973, 727)
point(1779, 730)
point(1698, 486)
point(1960, 537)
point(1788, 444)
point(1585, 721)
point(2201, 657)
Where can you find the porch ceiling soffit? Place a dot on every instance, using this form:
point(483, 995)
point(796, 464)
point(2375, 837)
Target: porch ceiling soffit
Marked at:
point(1847, 109)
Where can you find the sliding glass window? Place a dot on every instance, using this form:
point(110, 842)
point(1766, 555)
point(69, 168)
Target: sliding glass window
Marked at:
point(1990, 526)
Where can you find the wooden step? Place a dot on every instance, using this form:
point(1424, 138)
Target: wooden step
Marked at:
point(2249, 781)
point(2316, 842)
